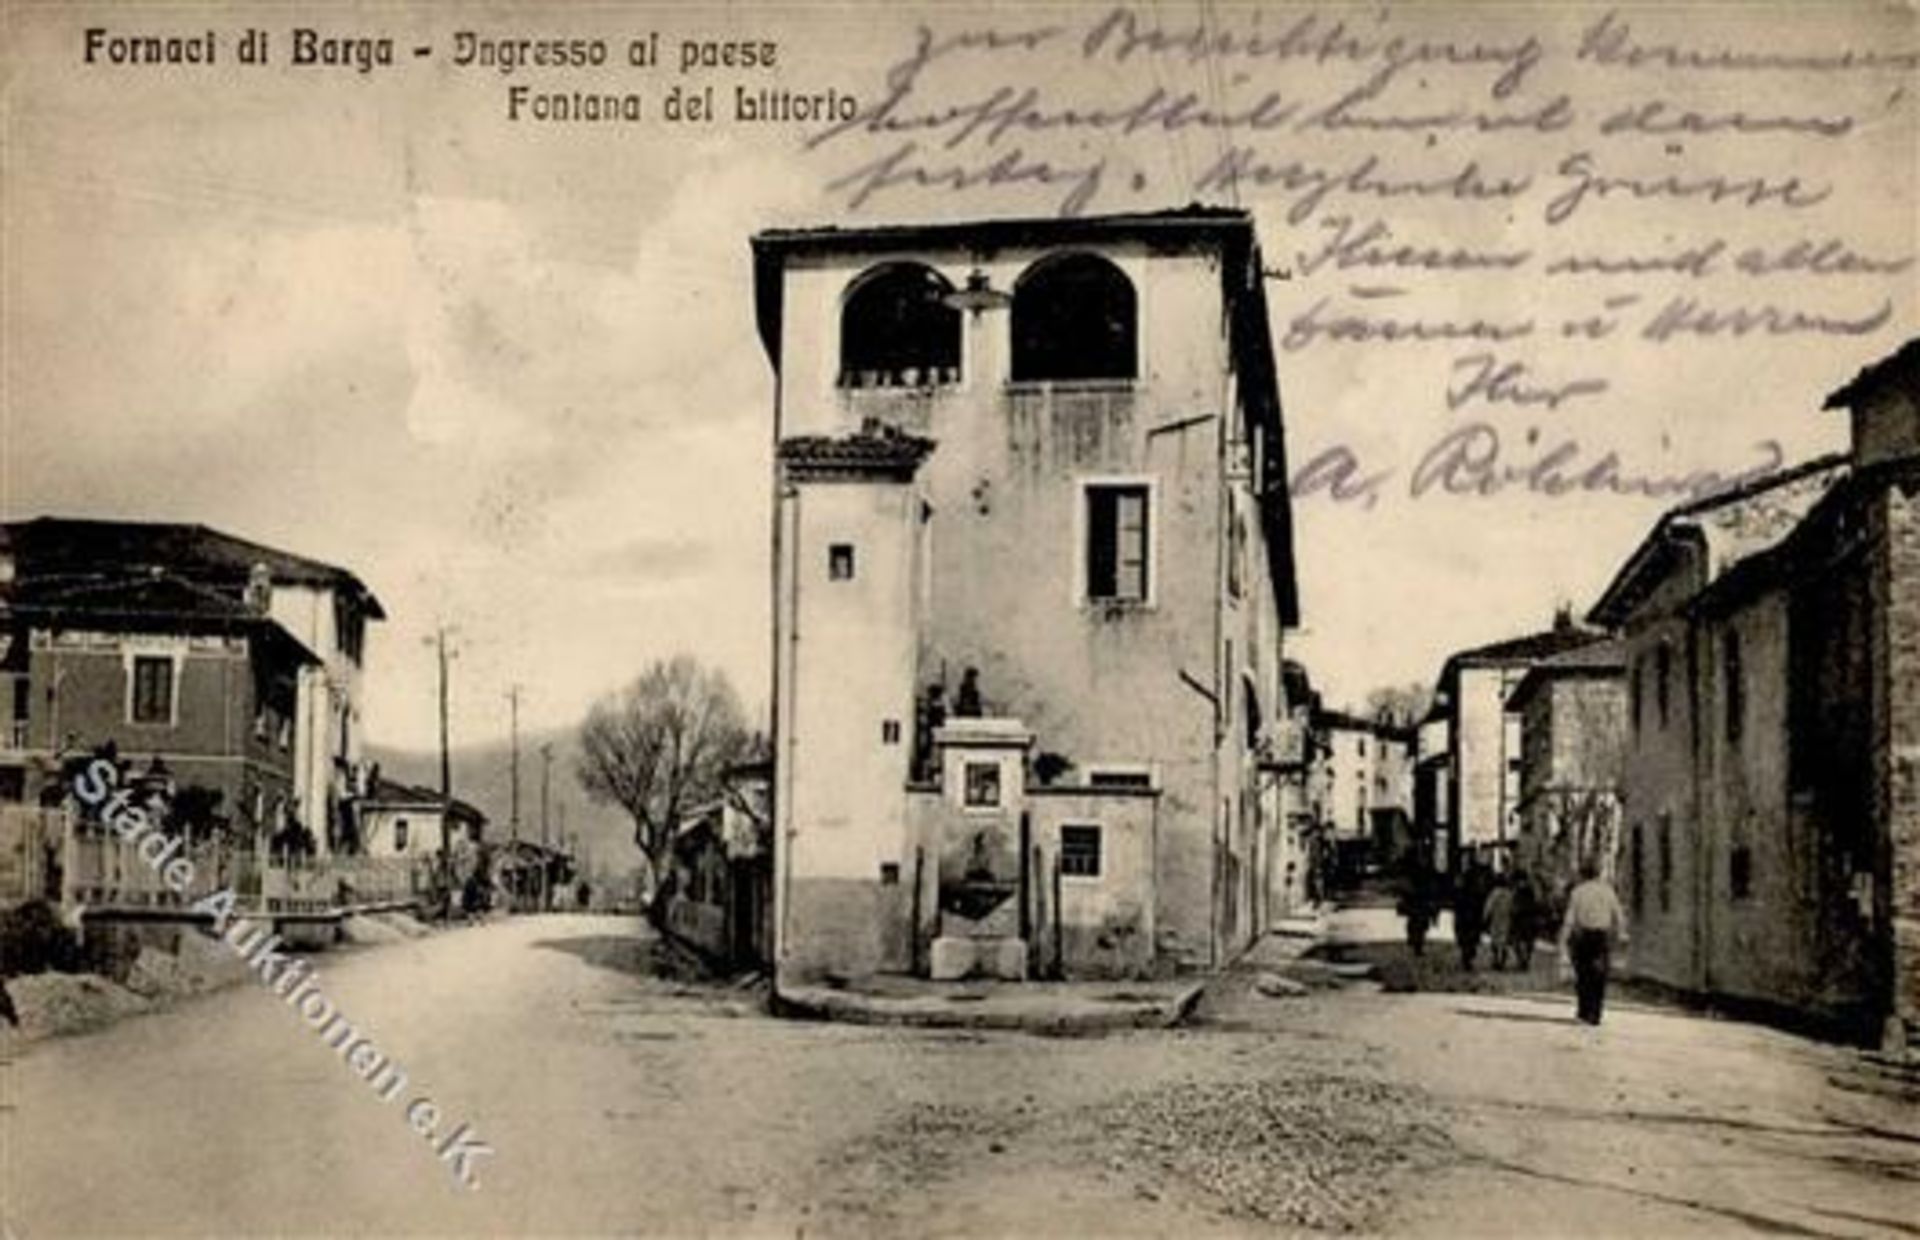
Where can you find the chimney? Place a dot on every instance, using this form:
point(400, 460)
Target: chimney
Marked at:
point(1563, 618)
point(259, 597)
point(1884, 402)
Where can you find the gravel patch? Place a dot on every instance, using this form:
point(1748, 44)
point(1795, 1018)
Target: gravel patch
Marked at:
point(1313, 1152)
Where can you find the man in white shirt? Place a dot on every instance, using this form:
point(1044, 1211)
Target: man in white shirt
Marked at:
point(1594, 925)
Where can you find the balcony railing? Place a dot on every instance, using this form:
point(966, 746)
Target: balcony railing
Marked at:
point(908, 407)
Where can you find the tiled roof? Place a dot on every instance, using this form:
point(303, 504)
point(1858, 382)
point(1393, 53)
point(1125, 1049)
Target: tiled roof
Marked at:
point(1607, 657)
point(391, 792)
point(872, 451)
point(151, 601)
point(72, 547)
point(1531, 648)
point(1731, 527)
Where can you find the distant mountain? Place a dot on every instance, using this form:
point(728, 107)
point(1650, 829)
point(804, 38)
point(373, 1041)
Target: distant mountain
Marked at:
point(482, 776)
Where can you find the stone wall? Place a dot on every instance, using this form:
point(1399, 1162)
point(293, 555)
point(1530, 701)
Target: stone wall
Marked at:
point(1898, 866)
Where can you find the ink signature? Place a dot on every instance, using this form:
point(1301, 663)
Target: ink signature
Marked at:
point(1473, 460)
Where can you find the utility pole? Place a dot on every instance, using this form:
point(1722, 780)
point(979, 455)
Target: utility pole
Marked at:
point(513, 814)
point(546, 772)
point(439, 640)
point(546, 862)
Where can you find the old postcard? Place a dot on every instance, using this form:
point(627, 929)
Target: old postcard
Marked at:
point(962, 618)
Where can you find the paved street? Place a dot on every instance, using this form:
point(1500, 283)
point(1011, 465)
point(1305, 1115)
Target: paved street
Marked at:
point(624, 1103)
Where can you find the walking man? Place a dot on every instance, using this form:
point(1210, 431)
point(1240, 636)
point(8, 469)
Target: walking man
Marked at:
point(1594, 926)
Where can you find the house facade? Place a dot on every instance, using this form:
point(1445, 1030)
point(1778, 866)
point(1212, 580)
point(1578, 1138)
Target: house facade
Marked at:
point(401, 820)
point(1485, 739)
point(1366, 789)
point(1032, 565)
point(1773, 828)
point(1432, 785)
point(1686, 765)
point(234, 664)
point(1573, 727)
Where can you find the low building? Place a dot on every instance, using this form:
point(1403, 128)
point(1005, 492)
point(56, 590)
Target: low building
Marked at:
point(1573, 713)
point(1772, 798)
point(720, 873)
point(403, 820)
point(528, 875)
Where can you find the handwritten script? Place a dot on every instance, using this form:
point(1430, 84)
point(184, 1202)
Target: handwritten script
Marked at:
point(1550, 214)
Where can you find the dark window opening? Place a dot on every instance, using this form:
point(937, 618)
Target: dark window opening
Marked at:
point(1117, 543)
point(1735, 674)
point(1074, 318)
point(1637, 894)
point(896, 330)
point(152, 689)
point(400, 835)
point(1080, 851)
point(1662, 676)
point(889, 873)
point(1666, 862)
point(840, 562)
point(1120, 779)
point(889, 731)
point(983, 785)
point(1740, 871)
point(1634, 694)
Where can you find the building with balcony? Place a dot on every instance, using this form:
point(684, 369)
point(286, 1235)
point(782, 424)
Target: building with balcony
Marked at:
point(1032, 565)
point(232, 666)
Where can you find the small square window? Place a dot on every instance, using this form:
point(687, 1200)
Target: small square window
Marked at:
point(840, 562)
point(1080, 851)
point(889, 731)
point(983, 785)
point(889, 873)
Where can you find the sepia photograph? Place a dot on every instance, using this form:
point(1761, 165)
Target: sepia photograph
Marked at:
point(830, 618)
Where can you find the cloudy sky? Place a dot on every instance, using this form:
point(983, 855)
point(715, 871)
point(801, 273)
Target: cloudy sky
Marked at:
point(506, 370)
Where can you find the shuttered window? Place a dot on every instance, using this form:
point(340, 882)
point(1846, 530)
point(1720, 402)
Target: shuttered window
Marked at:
point(152, 689)
point(1117, 531)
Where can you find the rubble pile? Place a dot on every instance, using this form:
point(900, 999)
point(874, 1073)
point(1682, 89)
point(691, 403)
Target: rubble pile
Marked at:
point(57, 1003)
point(359, 929)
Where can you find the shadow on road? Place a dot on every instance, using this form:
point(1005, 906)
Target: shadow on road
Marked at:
point(636, 955)
point(1532, 1017)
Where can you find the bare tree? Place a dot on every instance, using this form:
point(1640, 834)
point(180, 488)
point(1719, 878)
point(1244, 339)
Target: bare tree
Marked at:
point(1402, 704)
point(659, 747)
